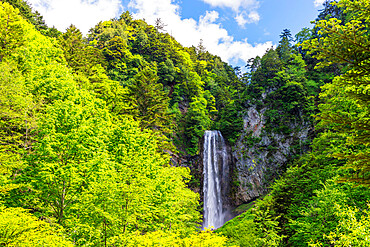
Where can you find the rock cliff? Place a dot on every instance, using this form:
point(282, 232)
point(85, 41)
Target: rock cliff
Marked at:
point(260, 155)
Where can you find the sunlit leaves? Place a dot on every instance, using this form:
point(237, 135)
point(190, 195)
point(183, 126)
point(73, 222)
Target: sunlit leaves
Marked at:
point(135, 190)
point(346, 99)
point(20, 228)
point(16, 122)
point(11, 30)
point(71, 142)
point(169, 239)
point(90, 167)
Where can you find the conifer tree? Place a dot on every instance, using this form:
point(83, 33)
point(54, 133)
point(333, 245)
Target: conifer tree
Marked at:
point(80, 56)
point(149, 103)
point(284, 48)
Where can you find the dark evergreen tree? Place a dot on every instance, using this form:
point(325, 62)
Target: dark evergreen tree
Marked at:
point(284, 48)
point(148, 103)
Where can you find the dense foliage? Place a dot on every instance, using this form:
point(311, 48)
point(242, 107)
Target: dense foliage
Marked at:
point(89, 125)
point(86, 126)
point(322, 199)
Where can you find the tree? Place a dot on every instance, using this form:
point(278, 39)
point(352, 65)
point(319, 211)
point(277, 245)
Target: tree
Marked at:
point(42, 65)
point(141, 43)
point(159, 25)
point(331, 11)
point(149, 103)
point(135, 191)
point(107, 30)
point(126, 17)
point(26, 12)
point(319, 216)
point(123, 65)
point(348, 93)
point(201, 51)
point(270, 65)
point(284, 48)
point(352, 230)
point(17, 120)
point(20, 228)
point(69, 151)
point(229, 122)
point(173, 239)
point(167, 73)
point(11, 30)
point(80, 57)
point(197, 122)
point(96, 174)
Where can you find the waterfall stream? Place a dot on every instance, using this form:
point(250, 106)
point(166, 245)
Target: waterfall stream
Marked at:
point(215, 172)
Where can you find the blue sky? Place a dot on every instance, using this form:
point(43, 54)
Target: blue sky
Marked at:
point(235, 30)
point(275, 15)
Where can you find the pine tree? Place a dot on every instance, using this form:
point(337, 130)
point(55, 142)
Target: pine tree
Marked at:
point(284, 48)
point(149, 103)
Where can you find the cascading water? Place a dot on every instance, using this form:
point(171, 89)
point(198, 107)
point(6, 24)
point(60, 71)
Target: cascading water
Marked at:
point(215, 172)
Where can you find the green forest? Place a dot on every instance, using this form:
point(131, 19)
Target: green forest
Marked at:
point(100, 134)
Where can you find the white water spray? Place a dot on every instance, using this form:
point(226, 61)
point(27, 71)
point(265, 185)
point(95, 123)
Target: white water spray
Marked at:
point(215, 171)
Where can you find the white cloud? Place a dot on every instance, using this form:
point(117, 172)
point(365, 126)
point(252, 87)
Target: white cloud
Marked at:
point(253, 16)
point(84, 14)
point(246, 10)
point(243, 18)
point(241, 51)
point(188, 32)
point(319, 3)
point(233, 4)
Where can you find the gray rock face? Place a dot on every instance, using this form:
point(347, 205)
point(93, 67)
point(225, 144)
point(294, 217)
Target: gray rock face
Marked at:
point(259, 156)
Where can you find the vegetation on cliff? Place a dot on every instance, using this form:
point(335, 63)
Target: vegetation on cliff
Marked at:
point(322, 199)
point(88, 126)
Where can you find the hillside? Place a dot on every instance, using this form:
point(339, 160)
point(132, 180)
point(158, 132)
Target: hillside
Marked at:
point(102, 135)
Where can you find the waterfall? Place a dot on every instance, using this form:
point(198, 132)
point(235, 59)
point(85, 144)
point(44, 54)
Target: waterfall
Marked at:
point(215, 183)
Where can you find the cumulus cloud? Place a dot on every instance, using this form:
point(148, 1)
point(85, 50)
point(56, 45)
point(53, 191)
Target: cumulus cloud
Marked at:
point(319, 3)
point(84, 14)
point(246, 10)
point(244, 18)
point(189, 32)
point(234, 4)
point(253, 16)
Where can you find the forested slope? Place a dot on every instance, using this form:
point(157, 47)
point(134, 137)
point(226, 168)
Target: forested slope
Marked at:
point(98, 134)
point(84, 129)
point(322, 198)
